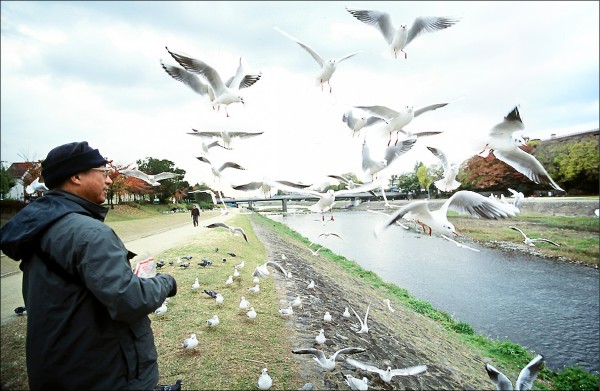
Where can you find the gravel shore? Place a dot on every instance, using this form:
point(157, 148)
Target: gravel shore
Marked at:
point(398, 339)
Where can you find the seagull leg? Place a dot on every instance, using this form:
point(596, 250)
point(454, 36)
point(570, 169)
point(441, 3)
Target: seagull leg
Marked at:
point(331, 212)
point(329, 86)
point(397, 136)
point(390, 140)
point(405, 55)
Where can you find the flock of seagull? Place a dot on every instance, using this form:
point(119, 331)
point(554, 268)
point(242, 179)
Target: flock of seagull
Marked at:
point(502, 140)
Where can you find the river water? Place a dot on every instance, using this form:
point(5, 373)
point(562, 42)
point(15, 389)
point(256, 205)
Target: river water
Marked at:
point(547, 306)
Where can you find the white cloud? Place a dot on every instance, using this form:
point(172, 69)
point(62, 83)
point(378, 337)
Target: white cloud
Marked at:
point(90, 71)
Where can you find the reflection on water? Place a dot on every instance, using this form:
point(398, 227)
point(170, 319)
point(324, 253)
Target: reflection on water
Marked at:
point(546, 306)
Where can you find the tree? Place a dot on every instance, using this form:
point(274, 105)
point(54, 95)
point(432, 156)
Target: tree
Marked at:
point(573, 165)
point(423, 177)
point(168, 187)
point(6, 182)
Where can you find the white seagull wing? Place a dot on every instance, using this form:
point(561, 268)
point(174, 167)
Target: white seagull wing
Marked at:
point(310, 51)
point(200, 67)
point(428, 24)
point(476, 205)
point(527, 165)
point(528, 374)
point(380, 20)
point(410, 371)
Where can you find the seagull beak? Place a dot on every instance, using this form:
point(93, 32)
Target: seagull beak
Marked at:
point(456, 233)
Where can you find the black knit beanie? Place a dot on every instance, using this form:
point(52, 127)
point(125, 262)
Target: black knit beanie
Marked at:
point(69, 159)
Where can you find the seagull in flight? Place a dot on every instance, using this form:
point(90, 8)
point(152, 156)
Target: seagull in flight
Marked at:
point(231, 229)
point(387, 374)
point(397, 120)
point(214, 199)
point(326, 234)
point(267, 185)
point(262, 270)
point(327, 363)
point(327, 199)
point(36, 185)
point(195, 84)
point(399, 38)
point(464, 201)
point(226, 136)
point(328, 67)
point(224, 95)
point(364, 328)
point(518, 196)
point(357, 123)
point(448, 182)
point(148, 178)
point(459, 244)
point(526, 377)
point(531, 242)
point(504, 142)
point(217, 171)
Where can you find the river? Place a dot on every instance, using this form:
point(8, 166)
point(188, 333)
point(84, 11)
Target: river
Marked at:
point(547, 306)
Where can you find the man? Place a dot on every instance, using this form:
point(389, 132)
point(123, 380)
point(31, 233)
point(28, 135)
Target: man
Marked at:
point(195, 214)
point(87, 313)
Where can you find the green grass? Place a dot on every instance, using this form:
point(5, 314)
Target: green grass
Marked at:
point(577, 236)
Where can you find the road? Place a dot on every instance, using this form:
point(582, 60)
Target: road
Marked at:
point(151, 244)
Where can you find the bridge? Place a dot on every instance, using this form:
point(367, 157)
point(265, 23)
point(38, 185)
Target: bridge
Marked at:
point(285, 198)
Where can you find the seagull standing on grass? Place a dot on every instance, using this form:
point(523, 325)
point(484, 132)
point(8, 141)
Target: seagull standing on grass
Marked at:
point(264, 380)
point(526, 377)
point(244, 304)
point(286, 311)
point(196, 284)
point(531, 242)
point(231, 229)
point(398, 39)
point(328, 67)
point(251, 314)
point(327, 317)
point(219, 299)
point(213, 322)
point(387, 374)
point(191, 342)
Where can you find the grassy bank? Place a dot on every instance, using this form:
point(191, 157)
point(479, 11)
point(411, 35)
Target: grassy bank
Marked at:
point(232, 355)
point(577, 235)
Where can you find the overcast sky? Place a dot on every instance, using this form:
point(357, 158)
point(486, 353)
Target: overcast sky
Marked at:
point(74, 71)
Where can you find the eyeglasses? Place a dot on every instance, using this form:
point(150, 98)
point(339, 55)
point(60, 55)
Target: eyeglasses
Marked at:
point(105, 171)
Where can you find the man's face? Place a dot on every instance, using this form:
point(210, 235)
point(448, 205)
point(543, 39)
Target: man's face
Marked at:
point(95, 182)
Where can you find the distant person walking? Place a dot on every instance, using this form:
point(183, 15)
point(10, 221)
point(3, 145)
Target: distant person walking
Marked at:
point(87, 312)
point(195, 214)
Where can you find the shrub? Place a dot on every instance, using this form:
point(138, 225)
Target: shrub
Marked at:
point(575, 378)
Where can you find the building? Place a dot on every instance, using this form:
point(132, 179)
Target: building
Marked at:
point(18, 172)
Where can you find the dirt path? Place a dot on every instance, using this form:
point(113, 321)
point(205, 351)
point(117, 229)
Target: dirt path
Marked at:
point(398, 339)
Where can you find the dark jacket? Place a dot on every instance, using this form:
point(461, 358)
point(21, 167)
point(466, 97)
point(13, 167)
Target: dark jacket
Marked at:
point(87, 313)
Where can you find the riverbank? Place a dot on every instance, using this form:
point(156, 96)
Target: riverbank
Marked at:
point(402, 338)
point(399, 339)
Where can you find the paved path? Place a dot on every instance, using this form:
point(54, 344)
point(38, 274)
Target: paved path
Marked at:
point(152, 244)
